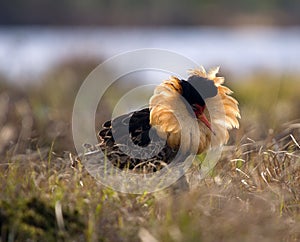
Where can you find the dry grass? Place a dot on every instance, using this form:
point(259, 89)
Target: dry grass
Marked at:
point(252, 194)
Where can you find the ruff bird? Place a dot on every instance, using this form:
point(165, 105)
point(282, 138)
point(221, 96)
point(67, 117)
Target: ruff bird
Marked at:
point(183, 116)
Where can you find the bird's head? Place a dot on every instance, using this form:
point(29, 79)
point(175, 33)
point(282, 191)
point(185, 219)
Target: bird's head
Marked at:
point(195, 90)
point(202, 89)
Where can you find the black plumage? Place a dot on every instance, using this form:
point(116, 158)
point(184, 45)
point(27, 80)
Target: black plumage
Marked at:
point(129, 142)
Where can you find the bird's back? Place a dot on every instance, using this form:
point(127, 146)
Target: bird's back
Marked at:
point(129, 142)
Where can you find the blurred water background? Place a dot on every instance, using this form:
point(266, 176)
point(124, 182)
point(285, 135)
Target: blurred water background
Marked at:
point(26, 53)
point(243, 37)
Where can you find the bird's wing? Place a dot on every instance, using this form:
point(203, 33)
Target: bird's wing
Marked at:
point(129, 142)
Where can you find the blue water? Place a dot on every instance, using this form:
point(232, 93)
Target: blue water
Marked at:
point(30, 52)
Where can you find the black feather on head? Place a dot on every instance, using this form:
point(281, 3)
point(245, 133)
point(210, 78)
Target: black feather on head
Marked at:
point(205, 87)
point(196, 89)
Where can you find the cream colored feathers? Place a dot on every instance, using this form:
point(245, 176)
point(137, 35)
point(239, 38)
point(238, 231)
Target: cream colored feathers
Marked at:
point(223, 109)
point(170, 117)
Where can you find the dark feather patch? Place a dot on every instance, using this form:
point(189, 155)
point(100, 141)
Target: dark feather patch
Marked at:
point(206, 88)
point(136, 128)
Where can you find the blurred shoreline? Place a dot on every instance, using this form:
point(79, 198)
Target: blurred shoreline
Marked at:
point(30, 52)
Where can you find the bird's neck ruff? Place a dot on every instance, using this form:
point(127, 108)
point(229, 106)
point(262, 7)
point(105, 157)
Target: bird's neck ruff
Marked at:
point(223, 108)
point(170, 115)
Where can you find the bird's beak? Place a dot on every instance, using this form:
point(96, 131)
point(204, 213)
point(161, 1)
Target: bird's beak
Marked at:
point(204, 119)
